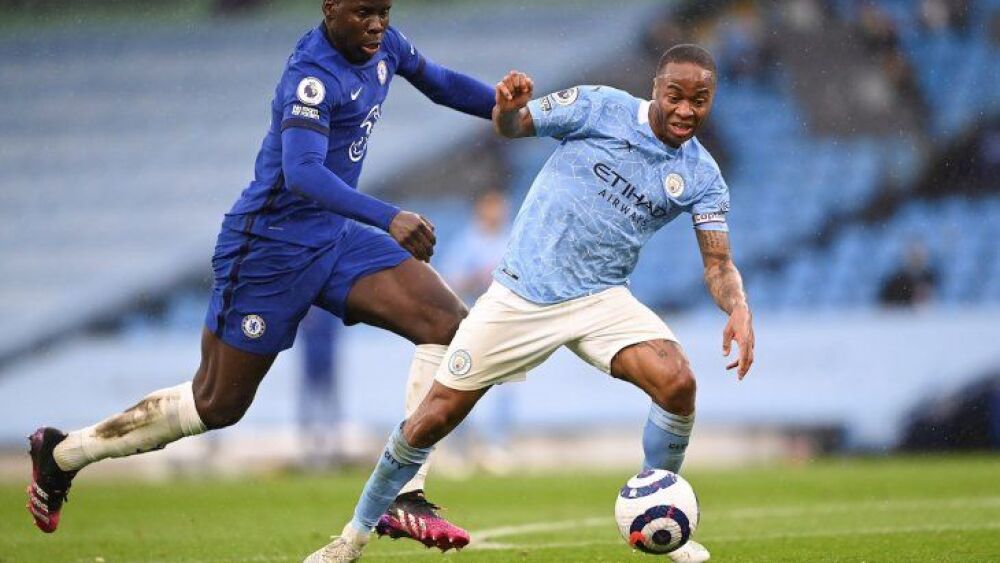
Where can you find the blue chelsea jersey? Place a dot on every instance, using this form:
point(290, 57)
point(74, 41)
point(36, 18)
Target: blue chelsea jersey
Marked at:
point(322, 91)
point(607, 188)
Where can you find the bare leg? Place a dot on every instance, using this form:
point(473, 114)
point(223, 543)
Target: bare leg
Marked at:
point(412, 301)
point(226, 381)
point(660, 368)
point(438, 414)
point(222, 390)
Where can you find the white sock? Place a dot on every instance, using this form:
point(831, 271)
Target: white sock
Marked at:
point(425, 364)
point(354, 536)
point(162, 417)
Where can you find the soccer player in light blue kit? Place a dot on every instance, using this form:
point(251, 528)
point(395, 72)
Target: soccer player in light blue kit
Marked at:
point(625, 167)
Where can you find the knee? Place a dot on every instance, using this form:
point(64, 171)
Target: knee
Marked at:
point(220, 409)
point(675, 391)
point(441, 324)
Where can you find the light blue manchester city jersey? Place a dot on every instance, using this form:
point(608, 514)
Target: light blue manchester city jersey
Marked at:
point(602, 194)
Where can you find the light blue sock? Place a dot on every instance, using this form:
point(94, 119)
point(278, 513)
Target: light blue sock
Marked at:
point(665, 439)
point(397, 465)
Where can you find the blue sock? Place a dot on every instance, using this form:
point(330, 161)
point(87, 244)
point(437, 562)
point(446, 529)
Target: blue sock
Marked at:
point(397, 465)
point(665, 439)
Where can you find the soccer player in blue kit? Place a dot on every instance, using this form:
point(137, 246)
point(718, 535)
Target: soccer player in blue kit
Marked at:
point(624, 168)
point(301, 234)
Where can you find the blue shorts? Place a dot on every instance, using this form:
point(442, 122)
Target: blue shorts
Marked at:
point(263, 287)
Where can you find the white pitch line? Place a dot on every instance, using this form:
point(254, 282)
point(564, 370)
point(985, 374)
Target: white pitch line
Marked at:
point(879, 531)
point(504, 531)
point(483, 539)
point(742, 513)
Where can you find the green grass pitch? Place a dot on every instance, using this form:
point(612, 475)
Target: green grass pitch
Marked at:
point(895, 509)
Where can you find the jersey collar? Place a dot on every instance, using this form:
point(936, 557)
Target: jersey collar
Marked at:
point(643, 118)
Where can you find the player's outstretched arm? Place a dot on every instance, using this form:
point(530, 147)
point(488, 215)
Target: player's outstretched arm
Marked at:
point(726, 286)
point(453, 89)
point(303, 153)
point(511, 117)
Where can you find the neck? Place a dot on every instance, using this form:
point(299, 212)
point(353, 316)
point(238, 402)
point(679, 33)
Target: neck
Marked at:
point(328, 32)
point(331, 39)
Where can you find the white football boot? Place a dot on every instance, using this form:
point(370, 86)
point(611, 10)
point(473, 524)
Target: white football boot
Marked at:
point(343, 549)
point(691, 552)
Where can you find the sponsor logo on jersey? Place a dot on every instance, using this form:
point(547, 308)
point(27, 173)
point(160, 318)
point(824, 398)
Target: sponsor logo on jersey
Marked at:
point(566, 97)
point(702, 218)
point(460, 363)
point(253, 326)
point(356, 93)
point(546, 103)
point(674, 184)
point(311, 91)
point(383, 72)
point(303, 111)
point(626, 197)
point(359, 147)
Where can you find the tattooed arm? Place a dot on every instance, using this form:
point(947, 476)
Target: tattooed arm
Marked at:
point(726, 287)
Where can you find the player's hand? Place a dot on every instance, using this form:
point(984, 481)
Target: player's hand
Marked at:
point(740, 329)
point(414, 233)
point(514, 91)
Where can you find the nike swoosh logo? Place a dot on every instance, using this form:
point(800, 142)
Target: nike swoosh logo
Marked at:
point(355, 94)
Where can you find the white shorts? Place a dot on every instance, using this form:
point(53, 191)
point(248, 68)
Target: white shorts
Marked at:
point(506, 335)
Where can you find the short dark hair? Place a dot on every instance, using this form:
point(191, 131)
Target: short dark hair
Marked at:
point(687, 53)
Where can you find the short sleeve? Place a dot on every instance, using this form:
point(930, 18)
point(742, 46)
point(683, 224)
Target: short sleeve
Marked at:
point(409, 62)
point(710, 210)
point(562, 113)
point(307, 99)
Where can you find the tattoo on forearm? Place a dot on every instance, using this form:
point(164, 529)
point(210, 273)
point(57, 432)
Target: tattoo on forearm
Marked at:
point(714, 242)
point(721, 276)
point(726, 286)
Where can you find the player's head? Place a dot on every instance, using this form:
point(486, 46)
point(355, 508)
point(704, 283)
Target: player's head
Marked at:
point(356, 27)
point(683, 91)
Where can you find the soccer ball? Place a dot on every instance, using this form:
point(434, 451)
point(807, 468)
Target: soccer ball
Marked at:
point(657, 511)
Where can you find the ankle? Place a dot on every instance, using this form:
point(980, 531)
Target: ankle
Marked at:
point(355, 536)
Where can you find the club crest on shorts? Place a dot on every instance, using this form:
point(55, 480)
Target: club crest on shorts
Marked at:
point(253, 326)
point(674, 184)
point(310, 91)
point(566, 97)
point(383, 72)
point(460, 363)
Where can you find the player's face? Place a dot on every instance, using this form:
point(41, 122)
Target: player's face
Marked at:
point(682, 100)
point(356, 27)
